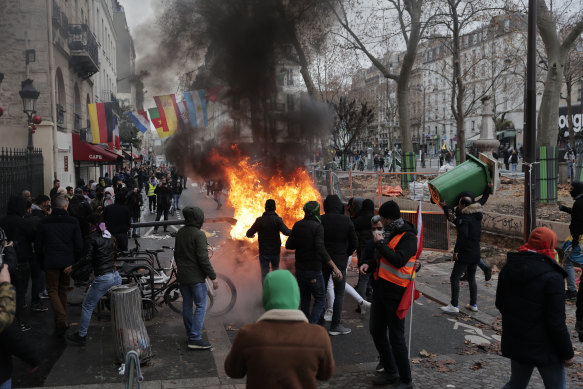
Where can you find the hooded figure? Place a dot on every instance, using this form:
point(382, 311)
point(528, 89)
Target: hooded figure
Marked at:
point(530, 297)
point(281, 349)
point(193, 267)
point(576, 212)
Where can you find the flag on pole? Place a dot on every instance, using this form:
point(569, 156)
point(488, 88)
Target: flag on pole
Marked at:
point(196, 104)
point(101, 118)
point(140, 120)
point(116, 142)
point(411, 293)
point(157, 122)
point(167, 113)
point(183, 109)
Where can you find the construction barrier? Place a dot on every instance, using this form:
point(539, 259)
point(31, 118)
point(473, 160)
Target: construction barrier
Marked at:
point(546, 174)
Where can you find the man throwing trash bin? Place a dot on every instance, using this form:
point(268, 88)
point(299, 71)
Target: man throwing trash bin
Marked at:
point(193, 267)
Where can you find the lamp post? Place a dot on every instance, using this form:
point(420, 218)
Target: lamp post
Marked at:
point(29, 96)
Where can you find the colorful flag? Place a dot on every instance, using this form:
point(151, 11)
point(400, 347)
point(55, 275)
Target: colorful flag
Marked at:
point(157, 122)
point(140, 120)
point(411, 293)
point(167, 113)
point(116, 142)
point(183, 109)
point(196, 104)
point(101, 117)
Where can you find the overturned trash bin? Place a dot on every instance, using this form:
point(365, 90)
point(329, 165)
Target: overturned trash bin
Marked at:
point(129, 330)
point(471, 176)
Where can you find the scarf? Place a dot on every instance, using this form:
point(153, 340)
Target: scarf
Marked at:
point(395, 225)
point(104, 233)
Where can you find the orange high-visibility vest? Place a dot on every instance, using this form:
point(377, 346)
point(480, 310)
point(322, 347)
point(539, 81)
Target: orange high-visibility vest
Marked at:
point(399, 276)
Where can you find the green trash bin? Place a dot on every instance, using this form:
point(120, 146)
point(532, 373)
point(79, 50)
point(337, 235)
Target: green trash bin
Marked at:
point(472, 175)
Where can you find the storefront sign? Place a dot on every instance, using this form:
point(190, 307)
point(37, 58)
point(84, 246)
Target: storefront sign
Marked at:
point(66, 163)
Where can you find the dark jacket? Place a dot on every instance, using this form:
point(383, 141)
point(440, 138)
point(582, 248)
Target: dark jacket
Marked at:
point(307, 238)
point(176, 187)
point(19, 229)
point(100, 252)
point(339, 235)
point(13, 342)
point(117, 218)
point(576, 212)
point(58, 240)
point(134, 203)
point(163, 196)
point(362, 225)
point(268, 226)
point(469, 232)
point(191, 249)
point(80, 209)
point(531, 298)
point(399, 257)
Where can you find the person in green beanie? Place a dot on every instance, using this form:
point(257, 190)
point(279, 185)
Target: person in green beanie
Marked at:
point(307, 239)
point(281, 349)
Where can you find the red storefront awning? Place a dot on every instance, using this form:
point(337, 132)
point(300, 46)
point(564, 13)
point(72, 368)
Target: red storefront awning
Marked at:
point(83, 151)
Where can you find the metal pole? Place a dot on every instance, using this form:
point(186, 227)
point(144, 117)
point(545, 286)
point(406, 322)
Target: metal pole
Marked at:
point(530, 125)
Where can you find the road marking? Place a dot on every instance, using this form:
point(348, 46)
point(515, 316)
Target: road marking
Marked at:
point(475, 335)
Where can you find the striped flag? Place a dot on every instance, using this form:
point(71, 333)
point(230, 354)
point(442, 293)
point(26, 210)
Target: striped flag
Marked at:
point(183, 109)
point(196, 103)
point(140, 120)
point(101, 117)
point(167, 113)
point(157, 122)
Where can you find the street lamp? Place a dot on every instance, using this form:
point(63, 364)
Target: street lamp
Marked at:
point(29, 96)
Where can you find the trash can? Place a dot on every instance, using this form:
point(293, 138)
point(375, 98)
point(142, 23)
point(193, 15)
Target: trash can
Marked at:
point(472, 175)
point(129, 330)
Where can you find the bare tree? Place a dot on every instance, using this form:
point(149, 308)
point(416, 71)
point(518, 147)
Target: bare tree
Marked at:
point(350, 120)
point(557, 44)
point(573, 73)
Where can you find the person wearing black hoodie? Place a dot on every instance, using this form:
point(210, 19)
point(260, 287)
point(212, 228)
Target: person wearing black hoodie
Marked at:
point(364, 232)
point(340, 241)
point(392, 267)
point(117, 218)
point(529, 296)
point(466, 253)
point(576, 230)
point(268, 226)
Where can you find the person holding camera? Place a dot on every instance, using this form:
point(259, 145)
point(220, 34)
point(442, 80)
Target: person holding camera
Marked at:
point(164, 197)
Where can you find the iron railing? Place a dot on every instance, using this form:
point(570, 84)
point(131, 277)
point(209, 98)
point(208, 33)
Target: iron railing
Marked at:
point(20, 169)
point(81, 39)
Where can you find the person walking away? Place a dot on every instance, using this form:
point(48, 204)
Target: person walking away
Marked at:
point(80, 209)
point(281, 349)
point(193, 267)
point(117, 218)
point(362, 226)
point(134, 203)
point(576, 230)
point(268, 227)
point(217, 192)
point(392, 268)
point(307, 239)
point(176, 192)
point(514, 160)
point(58, 245)
point(21, 232)
point(466, 253)
point(100, 253)
point(507, 159)
point(164, 200)
point(151, 190)
point(570, 158)
point(529, 296)
point(340, 241)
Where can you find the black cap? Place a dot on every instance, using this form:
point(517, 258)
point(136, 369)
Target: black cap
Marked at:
point(390, 210)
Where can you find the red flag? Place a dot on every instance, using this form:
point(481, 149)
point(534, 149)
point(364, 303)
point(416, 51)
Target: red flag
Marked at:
point(411, 294)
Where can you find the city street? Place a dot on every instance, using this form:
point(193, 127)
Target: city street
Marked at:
point(444, 349)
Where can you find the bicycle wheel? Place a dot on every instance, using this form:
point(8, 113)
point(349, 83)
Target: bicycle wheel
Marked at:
point(224, 298)
point(173, 297)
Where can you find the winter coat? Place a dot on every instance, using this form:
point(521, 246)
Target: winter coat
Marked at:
point(191, 249)
point(469, 232)
point(13, 342)
point(362, 225)
point(80, 209)
point(268, 227)
point(339, 235)
point(531, 298)
point(117, 218)
point(405, 249)
point(58, 240)
point(281, 350)
point(307, 238)
point(176, 188)
point(163, 196)
point(18, 229)
point(100, 252)
point(134, 203)
point(576, 212)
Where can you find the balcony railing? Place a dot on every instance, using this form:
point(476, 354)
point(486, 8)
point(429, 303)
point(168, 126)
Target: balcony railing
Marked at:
point(84, 50)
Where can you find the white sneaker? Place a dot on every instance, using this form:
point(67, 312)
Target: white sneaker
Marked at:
point(450, 309)
point(364, 307)
point(473, 308)
point(328, 315)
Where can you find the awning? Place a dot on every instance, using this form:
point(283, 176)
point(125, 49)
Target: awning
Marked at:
point(506, 134)
point(83, 151)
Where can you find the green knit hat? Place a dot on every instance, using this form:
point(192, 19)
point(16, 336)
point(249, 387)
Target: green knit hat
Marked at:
point(312, 208)
point(280, 291)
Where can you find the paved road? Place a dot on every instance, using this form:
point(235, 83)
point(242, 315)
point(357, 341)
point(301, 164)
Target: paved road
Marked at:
point(444, 349)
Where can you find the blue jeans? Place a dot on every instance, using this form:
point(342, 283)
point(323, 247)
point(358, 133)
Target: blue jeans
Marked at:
point(97, 290)
point(134, 220)
point(568, 265)
point(176, 201)
point(311, 283)
point(553, 375)
point(193, 294)
point(265, 261)
point(569, 169)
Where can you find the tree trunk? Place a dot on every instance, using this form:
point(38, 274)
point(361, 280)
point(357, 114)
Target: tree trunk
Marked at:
point(548, 115)
point(569, 116)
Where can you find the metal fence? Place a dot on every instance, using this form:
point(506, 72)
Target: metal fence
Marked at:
point(20, 169)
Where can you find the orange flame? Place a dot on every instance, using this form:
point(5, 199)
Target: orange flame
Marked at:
point(249, 186)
